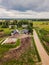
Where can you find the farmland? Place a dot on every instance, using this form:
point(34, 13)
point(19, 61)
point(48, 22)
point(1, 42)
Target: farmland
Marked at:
point(42, 29)
point(17, 46)
point(28, 56)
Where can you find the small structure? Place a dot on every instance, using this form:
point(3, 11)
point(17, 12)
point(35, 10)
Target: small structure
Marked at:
point(9, 41)
point(25, 31)
point(11, 26)
point(24, 26)
point(15, 32)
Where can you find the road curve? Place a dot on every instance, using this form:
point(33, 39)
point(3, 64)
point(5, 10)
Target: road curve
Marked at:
point(43, 55)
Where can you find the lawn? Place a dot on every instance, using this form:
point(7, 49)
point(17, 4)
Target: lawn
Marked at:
point(6, 31)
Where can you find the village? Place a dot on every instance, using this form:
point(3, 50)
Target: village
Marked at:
point(15, 31)
point(22, 42)
point(24, 32)
point(16, 40)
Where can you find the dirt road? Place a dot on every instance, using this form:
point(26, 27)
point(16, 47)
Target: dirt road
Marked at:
point(44, 56)
point(24, 36)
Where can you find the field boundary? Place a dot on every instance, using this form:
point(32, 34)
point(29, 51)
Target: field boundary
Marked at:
point(42, 42)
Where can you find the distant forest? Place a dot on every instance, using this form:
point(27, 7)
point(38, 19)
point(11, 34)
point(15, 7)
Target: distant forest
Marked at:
point(40, 19)
point(24, 19)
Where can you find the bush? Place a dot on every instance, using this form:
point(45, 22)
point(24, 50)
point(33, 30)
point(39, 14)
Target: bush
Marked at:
point(1, 30)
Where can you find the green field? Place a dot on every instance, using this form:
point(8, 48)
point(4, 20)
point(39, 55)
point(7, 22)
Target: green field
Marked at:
point(30, 56)
point(42, 29)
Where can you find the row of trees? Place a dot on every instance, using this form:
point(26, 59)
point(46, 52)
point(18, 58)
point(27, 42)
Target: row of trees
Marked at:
point(30, 28)
point(6, 23)
point(19, 24)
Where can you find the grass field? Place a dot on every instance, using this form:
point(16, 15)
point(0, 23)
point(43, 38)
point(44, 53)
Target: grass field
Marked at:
point(6, 31)
point(42, 29)
point(29, 57)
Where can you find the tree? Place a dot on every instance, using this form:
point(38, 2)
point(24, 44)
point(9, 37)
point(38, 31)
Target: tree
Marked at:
point(30, 28)
point(0, 23)
point(14, 22)
point(5, 24)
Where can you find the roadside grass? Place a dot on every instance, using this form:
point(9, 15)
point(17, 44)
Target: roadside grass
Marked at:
point(39, 59)
point(40, 35)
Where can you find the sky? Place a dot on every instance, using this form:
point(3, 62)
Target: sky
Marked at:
point(24, 8)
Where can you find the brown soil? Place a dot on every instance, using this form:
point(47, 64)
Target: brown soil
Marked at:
point(1, 34)
point(17, 52)
point(47, 35)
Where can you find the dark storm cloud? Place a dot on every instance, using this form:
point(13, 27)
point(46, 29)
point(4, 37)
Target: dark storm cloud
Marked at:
point(23, 5)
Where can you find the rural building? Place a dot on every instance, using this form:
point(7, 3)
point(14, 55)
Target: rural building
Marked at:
point(15, 32)
point(10, 26)
point(24, 31)
point(24, 26)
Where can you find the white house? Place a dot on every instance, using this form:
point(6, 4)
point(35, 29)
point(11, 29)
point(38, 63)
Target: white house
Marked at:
point(24, 26)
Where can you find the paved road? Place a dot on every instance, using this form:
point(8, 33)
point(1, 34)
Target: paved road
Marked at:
point(44, 56)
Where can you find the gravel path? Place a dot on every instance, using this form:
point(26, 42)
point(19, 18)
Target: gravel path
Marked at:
point(44, 56)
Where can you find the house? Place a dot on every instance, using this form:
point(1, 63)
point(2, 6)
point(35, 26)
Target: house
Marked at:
point(15, 32)
point(25, 31)
point(11, 26)
point(24, 26)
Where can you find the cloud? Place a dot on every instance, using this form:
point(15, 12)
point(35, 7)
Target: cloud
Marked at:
point(4, 13)
point(23, 5)
point(24, 8)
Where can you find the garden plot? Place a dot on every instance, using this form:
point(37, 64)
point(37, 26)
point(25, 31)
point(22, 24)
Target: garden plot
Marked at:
point(10, 41)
